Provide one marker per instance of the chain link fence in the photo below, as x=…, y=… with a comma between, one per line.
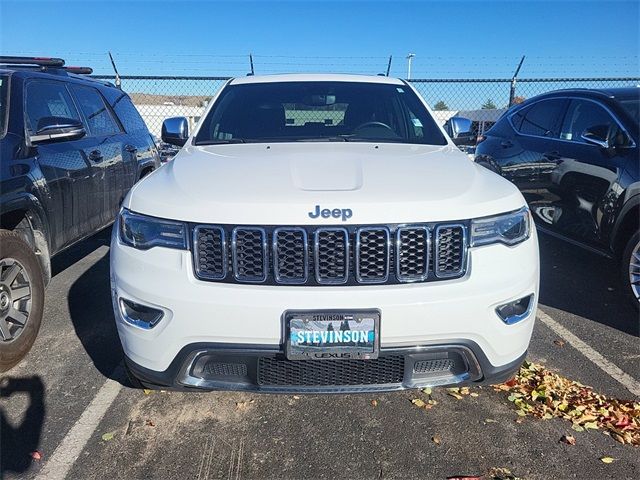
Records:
x=481, y=100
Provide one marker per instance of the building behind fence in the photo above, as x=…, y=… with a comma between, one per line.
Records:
x=481, y=100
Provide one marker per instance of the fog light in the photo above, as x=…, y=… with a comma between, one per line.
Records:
x=516, y=311
x=141, y=316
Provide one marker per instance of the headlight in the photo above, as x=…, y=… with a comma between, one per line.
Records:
x=142, y=232
x=509, y=228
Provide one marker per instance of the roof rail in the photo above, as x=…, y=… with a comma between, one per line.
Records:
x=40, y=61
x=79, y=70
x=42, y=64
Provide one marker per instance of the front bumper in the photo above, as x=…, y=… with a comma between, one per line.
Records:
x=266, y=369
x=219, y=317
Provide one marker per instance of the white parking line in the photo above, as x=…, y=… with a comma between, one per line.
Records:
x=607, y=366
x=66, y=453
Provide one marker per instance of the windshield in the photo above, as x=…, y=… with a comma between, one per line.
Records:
x=4, y=88
x=318, y=111
x=632, y=106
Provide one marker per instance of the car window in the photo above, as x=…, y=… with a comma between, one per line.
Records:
x=583, y=114
x=95, y=111
x=128, y=115
x=48, y=99
x=4, y=96
x=324, y=110
x=540, y=119
x=632, y=107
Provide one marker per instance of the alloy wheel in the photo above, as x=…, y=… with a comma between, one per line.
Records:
x=15, y=299
x=634, y=271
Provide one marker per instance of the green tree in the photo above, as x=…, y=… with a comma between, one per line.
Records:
x=441, y=106
x=488, y=105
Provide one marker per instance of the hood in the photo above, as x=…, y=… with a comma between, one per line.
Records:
x=281, y=183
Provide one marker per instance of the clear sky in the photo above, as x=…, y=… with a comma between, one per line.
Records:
x=450, y=39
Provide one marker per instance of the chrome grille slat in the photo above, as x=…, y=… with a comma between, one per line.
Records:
x=450, y=250
x=413, y=244
x=290, y=255
x=331, y=255
x=373, y=252
x=319, y=256
x=210, y=252
x=249, y=253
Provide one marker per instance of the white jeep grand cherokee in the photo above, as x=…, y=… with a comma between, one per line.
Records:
x=321, y=233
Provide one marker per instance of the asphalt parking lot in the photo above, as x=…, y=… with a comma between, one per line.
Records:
x=70, y=402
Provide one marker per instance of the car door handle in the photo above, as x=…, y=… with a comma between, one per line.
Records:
x=95, y=156
x=506, y=144
x=130, y=148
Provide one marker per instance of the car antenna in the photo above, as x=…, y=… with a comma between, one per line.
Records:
x=512, y=91
x=113, y=64
x=389, y=64
x=251, y=63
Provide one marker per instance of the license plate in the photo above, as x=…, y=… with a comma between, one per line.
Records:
x=332, y=335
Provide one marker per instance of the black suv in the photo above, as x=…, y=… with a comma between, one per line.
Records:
x=574, y=155
x=70, y=150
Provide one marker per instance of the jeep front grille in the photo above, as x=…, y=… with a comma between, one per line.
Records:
x=315, y=256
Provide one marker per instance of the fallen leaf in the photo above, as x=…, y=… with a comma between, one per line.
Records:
x=455, y=395
x=374, y=403
x=607, y=460
x=427, y=391
x=296, y=397
x=418, y=403
x=490, y=420
x=501, y=474
x=436, y=439
x=107, y=436
x=568, y=439
x=149, y=423
x=540, y=393
x=474, y=394
x=147, y=391
x=36, y=455
x=560, y=343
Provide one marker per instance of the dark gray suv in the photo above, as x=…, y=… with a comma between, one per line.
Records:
x=71, y=148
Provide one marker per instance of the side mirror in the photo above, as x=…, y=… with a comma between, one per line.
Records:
x=597, y=135
x=175, y=130
x=56, y=129
x=459, y=129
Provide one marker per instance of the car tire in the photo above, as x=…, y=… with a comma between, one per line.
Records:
x=21, y=298
x=630, y=266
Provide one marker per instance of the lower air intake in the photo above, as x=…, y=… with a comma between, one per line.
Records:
x=434, y=366
x=311, y=373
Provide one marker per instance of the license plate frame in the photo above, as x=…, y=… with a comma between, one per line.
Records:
x=296, y=321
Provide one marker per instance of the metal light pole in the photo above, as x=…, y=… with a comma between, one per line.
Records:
x=409, y=58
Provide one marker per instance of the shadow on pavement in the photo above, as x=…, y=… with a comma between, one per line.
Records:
x=77, y=252
x=584, y=284
x=19, y=441
x=90, y=309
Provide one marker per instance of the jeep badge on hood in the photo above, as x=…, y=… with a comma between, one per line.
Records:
x=345, y=213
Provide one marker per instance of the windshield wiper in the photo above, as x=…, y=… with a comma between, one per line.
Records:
x=336, y=138
x=220, y=142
